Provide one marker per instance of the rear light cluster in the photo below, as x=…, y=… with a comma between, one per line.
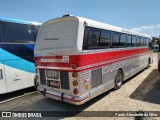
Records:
x=75, y=82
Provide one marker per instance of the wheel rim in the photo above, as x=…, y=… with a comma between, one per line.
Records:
x=119, y=79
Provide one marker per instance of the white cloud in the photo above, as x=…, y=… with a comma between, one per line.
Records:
x=144, y=28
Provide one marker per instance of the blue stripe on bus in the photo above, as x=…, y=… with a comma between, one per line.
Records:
x=20, y=50
x=18, y=21
x=13, y=61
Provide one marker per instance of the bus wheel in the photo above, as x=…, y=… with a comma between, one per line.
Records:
x=148, y=63
x=35, y=81
x=118, y=79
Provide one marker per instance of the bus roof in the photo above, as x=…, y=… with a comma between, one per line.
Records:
x=19, y=21
x=96, y=24
x=101, y=25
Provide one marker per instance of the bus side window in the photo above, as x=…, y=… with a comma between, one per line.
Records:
x=129, y=40
x=15, y=32
x=105, y=39
x=122, y=41
x=150, y=44
x=0, y=32
x=141, y=41
x=34, y=31
x=93, y=39
x=144, y=41
x=115, y=40
x=138, y=41
x=147, y=42
x=85, y=39
x=134, y=41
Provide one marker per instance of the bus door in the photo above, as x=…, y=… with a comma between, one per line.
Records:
x=3, y=88
x=16, y=75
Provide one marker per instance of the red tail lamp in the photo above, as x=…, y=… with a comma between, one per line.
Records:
x=73, y=66
x=75, y=91
x=74, y=83
x=74, y=75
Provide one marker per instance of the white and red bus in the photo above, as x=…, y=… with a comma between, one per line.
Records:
x=77, y=59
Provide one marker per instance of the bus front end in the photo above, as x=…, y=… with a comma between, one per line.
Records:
x=56, y=60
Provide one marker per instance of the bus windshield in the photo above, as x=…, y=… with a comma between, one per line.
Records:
x=18, y=33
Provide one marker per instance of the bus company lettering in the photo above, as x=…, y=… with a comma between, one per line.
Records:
x=65, y=60
x=51, y=60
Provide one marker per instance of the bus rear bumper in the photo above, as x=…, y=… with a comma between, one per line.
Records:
x=76, y=100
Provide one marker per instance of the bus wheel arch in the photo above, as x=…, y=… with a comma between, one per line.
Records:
x=119, y=77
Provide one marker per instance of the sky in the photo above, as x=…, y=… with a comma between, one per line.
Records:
x=139, y=15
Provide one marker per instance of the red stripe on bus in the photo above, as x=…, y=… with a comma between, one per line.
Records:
x=88, y=59
x=93, y=67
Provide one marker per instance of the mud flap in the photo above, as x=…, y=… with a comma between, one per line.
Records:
x=62, y=96
x=44, y=92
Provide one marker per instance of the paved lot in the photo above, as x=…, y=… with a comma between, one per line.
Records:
x=142, y=91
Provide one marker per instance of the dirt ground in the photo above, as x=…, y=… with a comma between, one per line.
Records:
x=141, y=92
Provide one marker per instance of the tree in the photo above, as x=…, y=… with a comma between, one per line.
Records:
x=155, y=40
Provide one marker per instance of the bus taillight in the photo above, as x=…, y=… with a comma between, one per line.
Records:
x=75, y=83
x=74, y=75
x=73, y=66
x=75, y=91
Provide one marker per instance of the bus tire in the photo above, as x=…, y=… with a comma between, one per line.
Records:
x=148, y=64
x=35, y=82
x=118, y=79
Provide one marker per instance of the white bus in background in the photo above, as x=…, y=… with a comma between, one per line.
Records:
x=155, y=48
x=77, y=58
x=17, y=40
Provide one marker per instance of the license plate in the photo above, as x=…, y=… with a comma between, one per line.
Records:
x=52, y=74
x=54, y=83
